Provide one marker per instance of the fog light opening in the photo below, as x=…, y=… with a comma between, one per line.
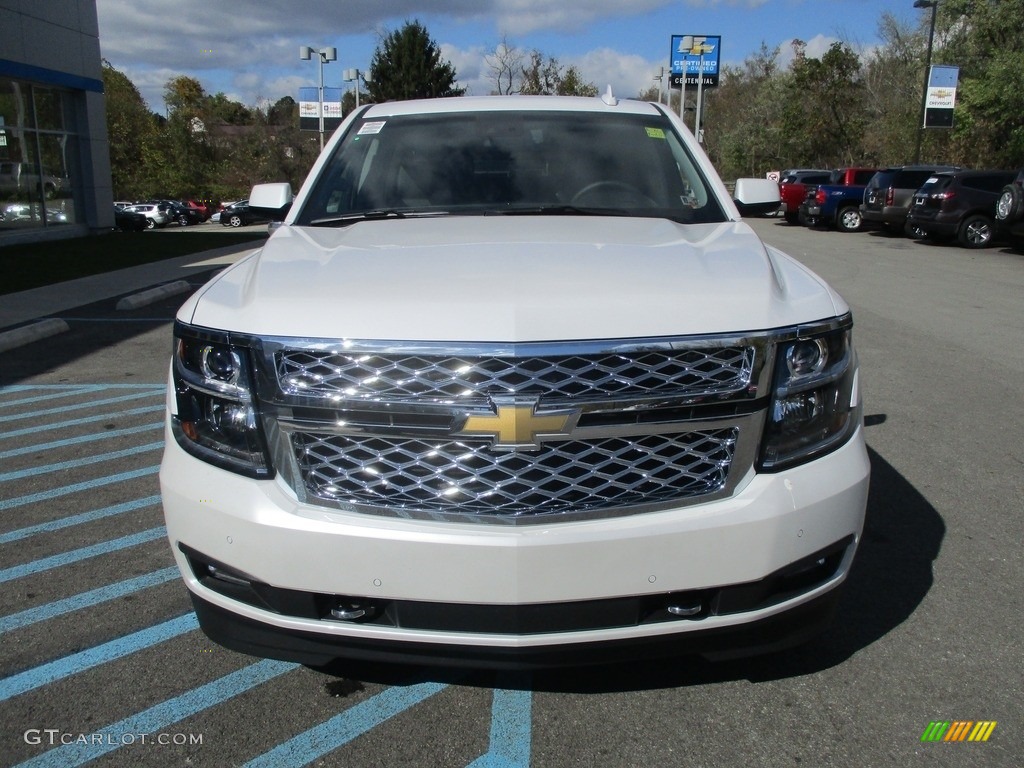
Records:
x=685, y=609
x=223, y=575
x=346, y=610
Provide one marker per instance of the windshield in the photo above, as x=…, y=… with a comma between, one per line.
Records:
x=501, y=162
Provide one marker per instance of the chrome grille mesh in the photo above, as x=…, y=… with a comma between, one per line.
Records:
x=456, y=478
x=452, y=378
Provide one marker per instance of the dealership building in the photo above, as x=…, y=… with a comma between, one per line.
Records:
x=54, y=153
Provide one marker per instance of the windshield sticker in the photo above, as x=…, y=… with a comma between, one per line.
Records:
x=655, y=133
x=367, y=129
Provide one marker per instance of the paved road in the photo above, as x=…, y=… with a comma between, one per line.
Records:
x=99, y=646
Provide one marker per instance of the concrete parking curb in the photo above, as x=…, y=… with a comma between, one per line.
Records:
x=27, y=334
x=152, y=295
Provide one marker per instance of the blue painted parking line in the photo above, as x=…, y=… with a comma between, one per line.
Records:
x=45, y=469
x=84, y=517
x=77, y=555
x=78, y=422
x=50, y=426
x=511, y=728
x=6, y=388
x=341, y=729
x=73, y=392
x=86, y=599
x=86, y=485
x=158, y=718
x=80, y=406
x=80, y=440
x=42, y=675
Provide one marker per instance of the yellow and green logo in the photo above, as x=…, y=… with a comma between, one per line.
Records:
x=958, y=730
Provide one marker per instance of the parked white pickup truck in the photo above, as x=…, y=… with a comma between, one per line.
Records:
x=513, y=385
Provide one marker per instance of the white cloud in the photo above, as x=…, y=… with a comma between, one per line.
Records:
x=628, y=74
x=519, y=17
x=817, y=47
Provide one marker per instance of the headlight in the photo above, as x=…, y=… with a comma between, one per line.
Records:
x=815, y=403
x=216, y=417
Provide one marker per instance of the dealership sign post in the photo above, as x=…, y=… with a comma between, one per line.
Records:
x=695, y=61
x=310, y=109
x=941, y=96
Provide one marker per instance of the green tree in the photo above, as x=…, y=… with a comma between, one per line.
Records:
x=542, y=76
x=132, y=131
x=893, y=77
x=183, y=95
x=573, y=84
x=825, y=107
x=742, y=120
x=283, y=112
x=186, y=158
x=408, y=65
x=984, y=39
x=220, y=109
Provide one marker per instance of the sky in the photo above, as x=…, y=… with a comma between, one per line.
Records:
x=249, y=49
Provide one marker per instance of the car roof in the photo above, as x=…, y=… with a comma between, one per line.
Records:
x=457, y=104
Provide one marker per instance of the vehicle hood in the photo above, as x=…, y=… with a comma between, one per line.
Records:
x=511, y=278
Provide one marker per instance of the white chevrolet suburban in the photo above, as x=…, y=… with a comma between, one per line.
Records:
x=511, y=385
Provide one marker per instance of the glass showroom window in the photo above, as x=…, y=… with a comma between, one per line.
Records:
x=38, y=152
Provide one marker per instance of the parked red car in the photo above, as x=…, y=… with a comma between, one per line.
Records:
x=793, y=189
x=202, y=207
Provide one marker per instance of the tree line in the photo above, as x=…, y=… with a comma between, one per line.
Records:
x=843, y=108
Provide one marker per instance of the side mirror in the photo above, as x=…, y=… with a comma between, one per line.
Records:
x=272, y=201
x=756, y=197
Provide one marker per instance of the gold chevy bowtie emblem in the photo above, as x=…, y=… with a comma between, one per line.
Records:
x=518, y=425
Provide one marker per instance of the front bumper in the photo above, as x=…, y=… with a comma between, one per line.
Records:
x=761, y=568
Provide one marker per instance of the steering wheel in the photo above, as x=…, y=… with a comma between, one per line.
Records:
x=618, y=193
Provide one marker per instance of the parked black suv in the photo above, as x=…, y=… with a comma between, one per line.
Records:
x=1010, y=209
x=888, y=205
x=960, y=204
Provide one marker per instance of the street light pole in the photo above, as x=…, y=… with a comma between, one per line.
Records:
x=700, y=95
x=349, y=75
x=324, y=55
x=691, y=45
x=927, y=70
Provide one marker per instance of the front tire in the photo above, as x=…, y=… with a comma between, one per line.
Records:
x=977, y=231
x=234, y=220
x=150, y=224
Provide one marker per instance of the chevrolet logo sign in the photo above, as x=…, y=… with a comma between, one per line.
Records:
x=516, y=424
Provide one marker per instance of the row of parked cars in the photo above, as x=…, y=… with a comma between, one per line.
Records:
x=923, y=201
x=154, y=214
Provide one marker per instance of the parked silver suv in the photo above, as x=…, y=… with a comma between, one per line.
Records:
x=889, y=205
x=158, y=215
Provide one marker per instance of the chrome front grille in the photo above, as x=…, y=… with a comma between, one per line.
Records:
x=513, y=433
x=461, y=378
x=463, y=477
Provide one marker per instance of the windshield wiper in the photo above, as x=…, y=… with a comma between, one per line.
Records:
x=375, y=215
x=559, y=210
